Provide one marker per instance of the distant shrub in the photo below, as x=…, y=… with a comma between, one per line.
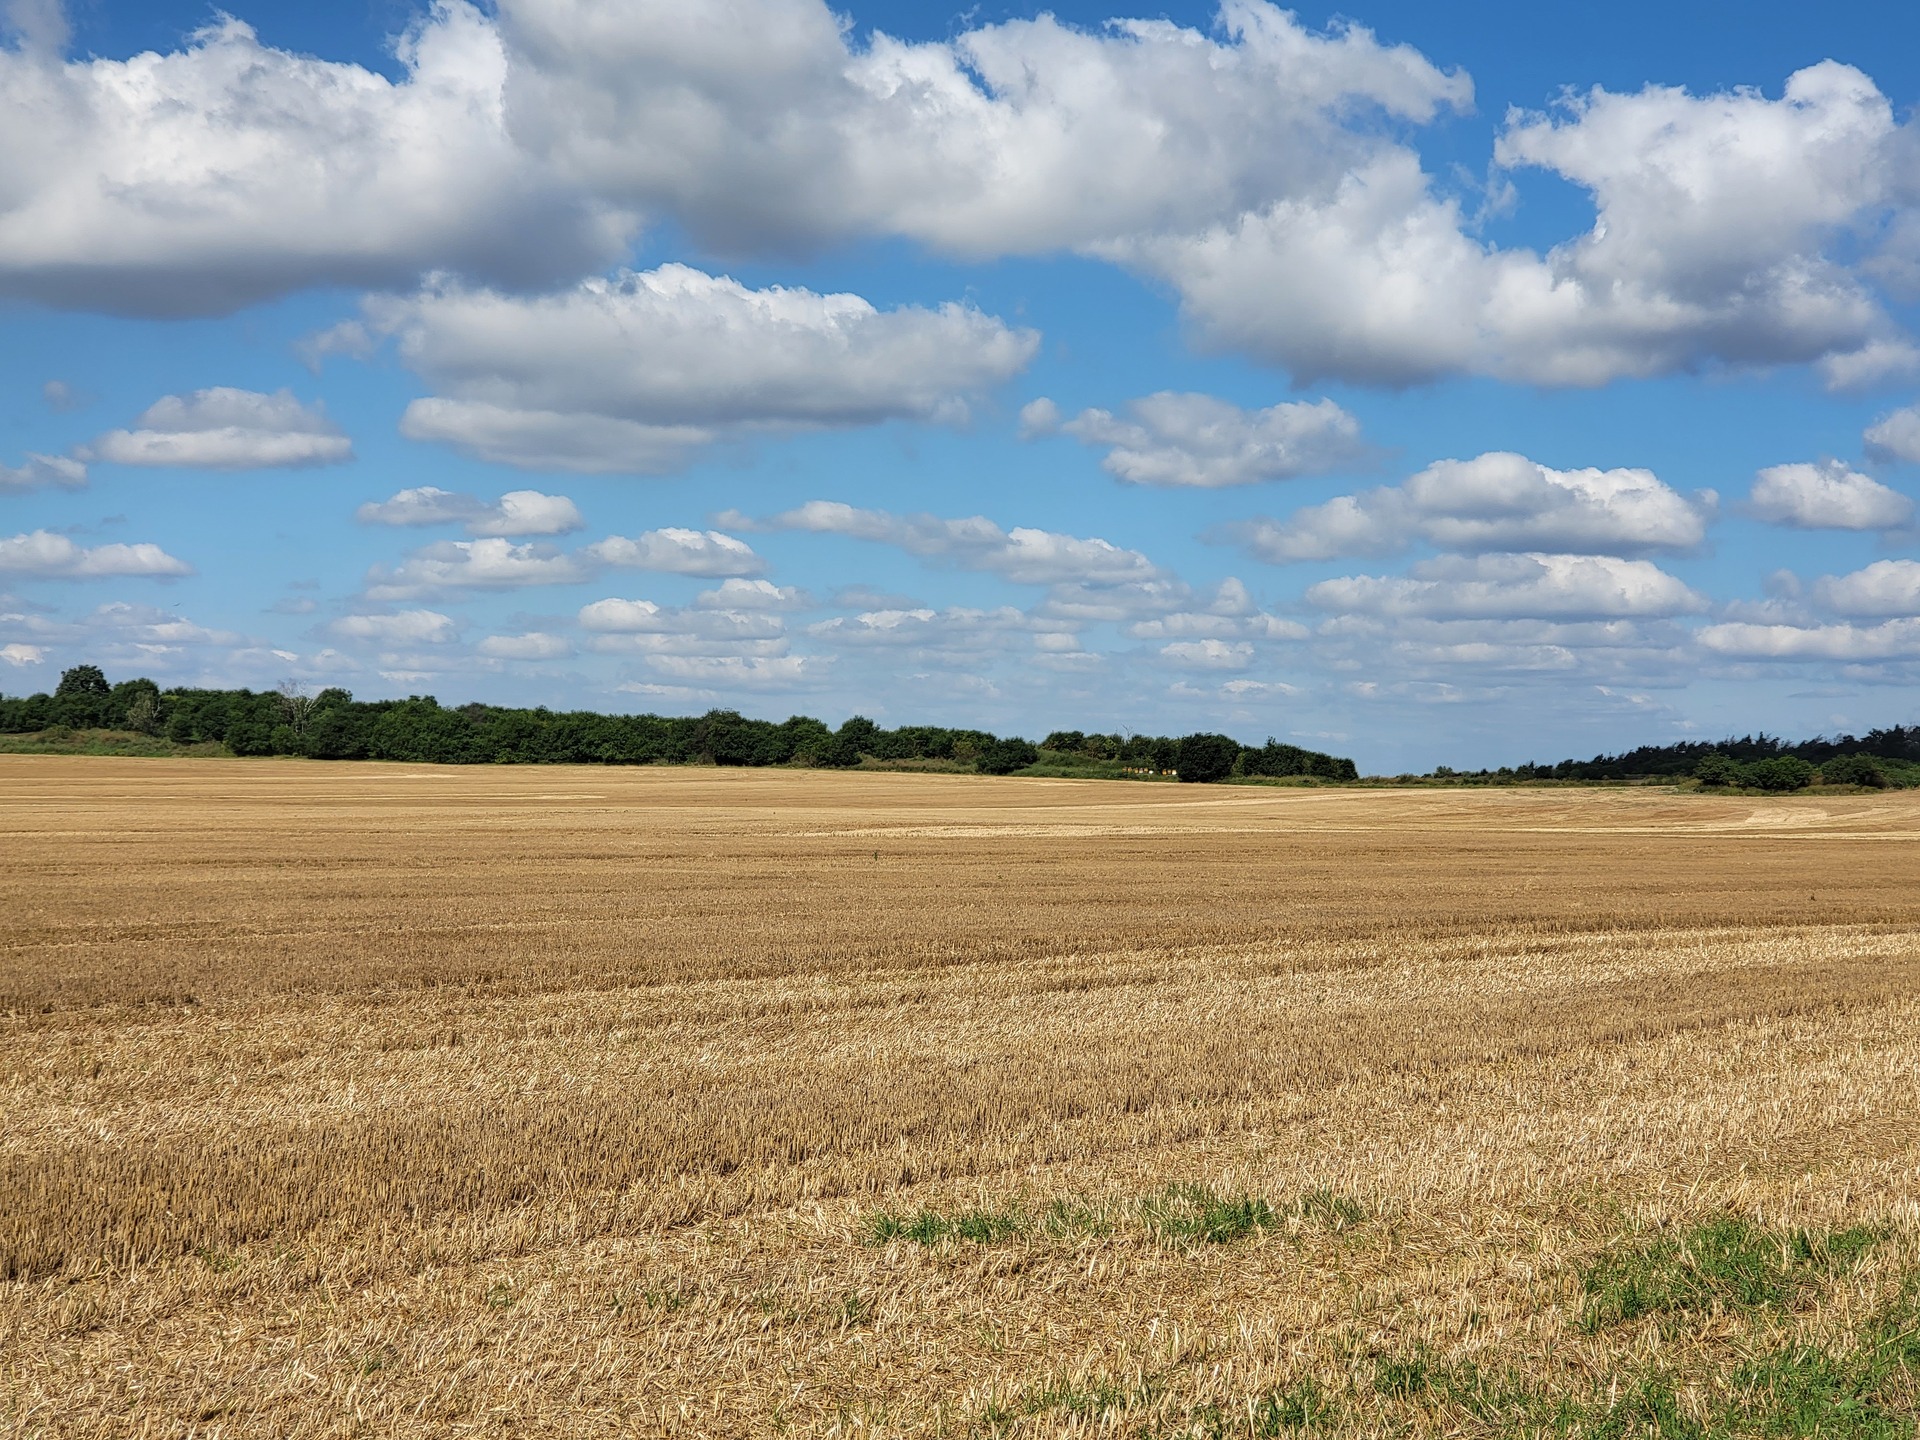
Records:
x=1783, y=772
x=1716, y=768
x=1206, y=758
x=1003, y=757
x=1853, y=770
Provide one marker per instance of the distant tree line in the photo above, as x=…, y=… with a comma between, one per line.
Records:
x=1880, y=758
x=332, y=725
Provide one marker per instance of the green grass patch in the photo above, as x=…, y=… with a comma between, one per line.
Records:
x=981, y=1226
x=1727, y=1263
x=1185, y=1214
x=1201, y=1215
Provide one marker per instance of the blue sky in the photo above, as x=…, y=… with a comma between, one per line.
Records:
x=1457, y=384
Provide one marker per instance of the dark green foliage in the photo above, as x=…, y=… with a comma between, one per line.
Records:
x=332, y=725
x=1896, y=747
x=1716, y=768
x=1854, y=770
x=1783, y=772
x=87, y=681
x=1003, y=757
x=1280, y=761
x=1204, y=758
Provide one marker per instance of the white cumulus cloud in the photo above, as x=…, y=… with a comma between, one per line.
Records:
x=491, y=564
x=636, y=373
x=753, y=595
x=534, y=645
x=1496, y=501
x=42, y=554
x=764, y=125
x=1886, y=587
x=227, y=429
x=1827, y=496
x=1895, y=438
x=676, y=551
x=203, y=179
x=518, y=512
x=1715, y=216
x=18, y=655
x=406, y=627
x=1024, y=555
x=1534, y=586
x=1200, y=440
x=38, y=470
x=1889, y=640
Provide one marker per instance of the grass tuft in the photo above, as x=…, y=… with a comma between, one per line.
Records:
x=1200, y=1215
x=1728, y=1263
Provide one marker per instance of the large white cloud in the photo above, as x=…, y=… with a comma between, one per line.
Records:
x=1886, y=587
x=1024, y=555
x=491, y=564
x=1889, y=640
x=405, y=627
x=1715, y=217
x=1496, y=501
x=1536, y=586
x=206, y=178
x=227, y=429
x=518, y=512
x=635, y=373
x=41, y=554
x=764, y=124
x=1200, y=440
x=1827, y=496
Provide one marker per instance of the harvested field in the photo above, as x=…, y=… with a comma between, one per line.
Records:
x=387, y=1100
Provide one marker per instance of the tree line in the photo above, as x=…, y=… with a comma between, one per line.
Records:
x=1878, y=759
x=332, y=725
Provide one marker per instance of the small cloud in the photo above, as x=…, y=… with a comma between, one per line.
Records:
x=518, y=512
x=45, y=555
x=408, y=627
x=1895, y=438
x=226, y=429
x=62, y=399
x=753, y=595
x=1039, y=418
x=1204, y=442
x=675, y=551
x=19, y=655
x=492, y=564
x=534, y=645
x=39, y=470
x=1209, y=654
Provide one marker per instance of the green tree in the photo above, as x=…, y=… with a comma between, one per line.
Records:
x=1003, y=757
x=1783, y=772
x=83, y=680
x=1205, y=758
x=1853, y=770
x=1716, y=768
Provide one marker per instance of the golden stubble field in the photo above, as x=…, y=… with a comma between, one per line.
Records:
x=390, y=1100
